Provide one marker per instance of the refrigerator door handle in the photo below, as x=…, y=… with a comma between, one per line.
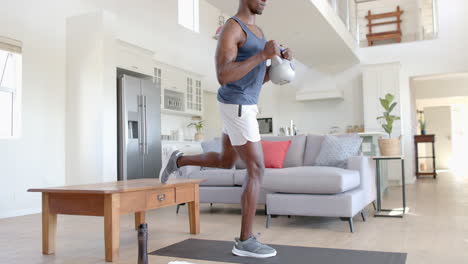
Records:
x=145, y=137
x=140, y=126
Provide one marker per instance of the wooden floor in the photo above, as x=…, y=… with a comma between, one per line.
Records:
x=434, y=231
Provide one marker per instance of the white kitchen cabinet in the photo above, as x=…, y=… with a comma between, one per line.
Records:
x=194, y=95
x=173, y=79
x=181, y=90
x=377, y=81
x=198, y=96
x=134, y=58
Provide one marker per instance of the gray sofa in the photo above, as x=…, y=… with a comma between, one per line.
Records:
x=299, y=188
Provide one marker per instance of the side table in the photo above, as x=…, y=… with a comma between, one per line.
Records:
x=380, y=212
x=425, y=139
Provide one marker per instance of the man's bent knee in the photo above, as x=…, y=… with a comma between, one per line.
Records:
x=256, y=169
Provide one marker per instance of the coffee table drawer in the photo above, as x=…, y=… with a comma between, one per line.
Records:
x=160, y=198
x=184, y=194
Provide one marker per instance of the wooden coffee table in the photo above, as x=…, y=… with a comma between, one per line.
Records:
x=112, y=199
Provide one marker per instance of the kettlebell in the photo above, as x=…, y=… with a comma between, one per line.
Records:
x=281, y=71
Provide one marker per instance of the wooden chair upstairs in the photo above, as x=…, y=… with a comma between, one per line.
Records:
x=396, y=34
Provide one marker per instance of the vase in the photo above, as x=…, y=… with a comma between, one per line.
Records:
x=423, y=131
x=390, y=146
x=199, y=136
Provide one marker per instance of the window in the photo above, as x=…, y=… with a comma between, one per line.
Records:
x=10, y=87
x=189, y=16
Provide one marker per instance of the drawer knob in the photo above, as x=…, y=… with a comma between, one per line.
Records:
x=161, y=197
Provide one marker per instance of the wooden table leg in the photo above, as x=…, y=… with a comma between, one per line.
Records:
x=194, y=212
x=139, y=219
x=112, y=226
x=49, y=226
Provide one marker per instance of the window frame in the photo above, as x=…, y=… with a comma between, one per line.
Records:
x=195, y=10
x=14, y=48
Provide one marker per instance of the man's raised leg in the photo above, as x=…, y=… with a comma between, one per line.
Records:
x=224, y=159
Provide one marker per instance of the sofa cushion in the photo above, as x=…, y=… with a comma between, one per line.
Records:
x=313, y=180
x=335, y=150
x=312, y=149
x=274, y=153
x=295, y=155
x=239, y=176
x=215, y=177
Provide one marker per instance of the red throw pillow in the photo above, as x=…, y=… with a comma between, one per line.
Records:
x=274, y=153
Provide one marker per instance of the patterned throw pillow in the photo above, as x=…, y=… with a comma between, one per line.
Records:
x=335, y=150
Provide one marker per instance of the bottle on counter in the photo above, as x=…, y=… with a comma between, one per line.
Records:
x=180, y=134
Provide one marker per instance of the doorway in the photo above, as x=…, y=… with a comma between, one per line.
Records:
x=441, y=102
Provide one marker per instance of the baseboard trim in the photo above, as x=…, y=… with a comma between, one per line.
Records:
x=22, y=212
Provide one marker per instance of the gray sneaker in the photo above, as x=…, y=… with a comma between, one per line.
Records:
x=171, y=166
x=252, y=248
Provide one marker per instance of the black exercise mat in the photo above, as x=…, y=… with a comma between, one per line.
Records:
x=214, y=250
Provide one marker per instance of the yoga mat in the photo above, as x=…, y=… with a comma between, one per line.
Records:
x=214, y=250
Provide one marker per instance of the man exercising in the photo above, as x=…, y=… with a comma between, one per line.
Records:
x=241, y=70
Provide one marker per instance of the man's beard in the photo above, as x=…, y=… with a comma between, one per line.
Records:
x=258, y=11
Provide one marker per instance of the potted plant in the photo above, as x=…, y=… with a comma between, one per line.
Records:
x=422, y=122
x=199, y=127
x=389, y=146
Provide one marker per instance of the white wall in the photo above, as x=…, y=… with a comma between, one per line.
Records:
x=153, y=25
x=439, y=123
x=91, y=130
x=441, y=87
x=213, y=125
x=459, y=137
x=170, y=123
x=37, y=159
x=320, y=116
x=442, y=55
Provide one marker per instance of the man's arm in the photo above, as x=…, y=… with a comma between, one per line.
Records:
x=227, y=69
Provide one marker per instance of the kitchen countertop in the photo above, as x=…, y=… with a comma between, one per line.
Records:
x=178, y=141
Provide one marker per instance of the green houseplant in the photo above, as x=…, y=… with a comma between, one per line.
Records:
x=199, y=128
x=389, y=146
x=422, y=122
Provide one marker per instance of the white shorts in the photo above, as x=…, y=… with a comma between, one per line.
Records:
x=243, y=128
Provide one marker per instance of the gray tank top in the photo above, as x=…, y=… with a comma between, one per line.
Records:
x=246, y=90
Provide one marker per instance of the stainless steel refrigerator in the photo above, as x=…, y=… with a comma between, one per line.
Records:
x=139, y=126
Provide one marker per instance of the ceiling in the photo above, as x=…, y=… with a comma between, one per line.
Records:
x=301, y=26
